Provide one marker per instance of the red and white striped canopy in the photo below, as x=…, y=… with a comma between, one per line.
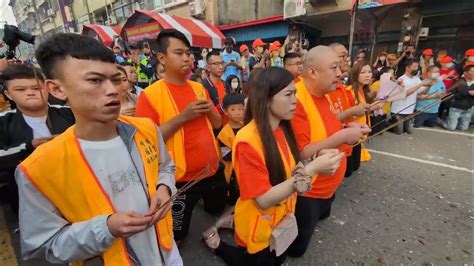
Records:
x=199, y=33
x=104, y=33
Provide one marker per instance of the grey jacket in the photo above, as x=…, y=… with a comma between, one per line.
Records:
x=46, y=234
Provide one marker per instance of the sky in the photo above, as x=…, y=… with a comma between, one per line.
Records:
x=6, y=13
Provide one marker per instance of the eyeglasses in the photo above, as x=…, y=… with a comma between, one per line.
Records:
x=217, y=63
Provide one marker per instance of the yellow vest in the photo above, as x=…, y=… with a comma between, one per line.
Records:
x=163, y=103
x=253, y=226
x=315, y=120
x=74, y=189
x=227, y=136
x=361, y=119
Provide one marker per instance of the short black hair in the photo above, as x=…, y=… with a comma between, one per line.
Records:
x=19, y=71
x=290, y=56
x=229, y=40
x=62, y=45
x=212, y=53
x=232, y=98
x=412, y=61
x=163, y=37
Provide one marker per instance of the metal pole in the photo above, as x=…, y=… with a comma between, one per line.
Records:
x=351, y=32
x=107, y=11
x=88, y=11
x=374, y=41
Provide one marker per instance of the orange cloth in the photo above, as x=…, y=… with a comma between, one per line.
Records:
x=340, y=99
x=325, y=186
x=253, y=226
x=198, y=138
x=73, y=188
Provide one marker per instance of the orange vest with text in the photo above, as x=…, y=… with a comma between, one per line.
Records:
x=165, y=106
x=60, y=171
x=253, y=226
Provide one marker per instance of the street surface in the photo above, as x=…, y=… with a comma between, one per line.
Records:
x=411, y=204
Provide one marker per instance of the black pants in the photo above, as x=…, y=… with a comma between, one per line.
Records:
x=378, y=123
x=309, y=212
x=213, y=191
x=406, y=126
x=9, y=192
x=353, y=161
x=237, y=256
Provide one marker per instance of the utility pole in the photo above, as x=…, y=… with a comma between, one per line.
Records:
x=351, y=33
x=91, y=20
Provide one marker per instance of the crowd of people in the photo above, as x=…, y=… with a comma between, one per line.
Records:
x=112, y=174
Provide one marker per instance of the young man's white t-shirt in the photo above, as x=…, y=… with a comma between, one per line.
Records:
x=38, y=124
x=121, y=182
x=400, y=105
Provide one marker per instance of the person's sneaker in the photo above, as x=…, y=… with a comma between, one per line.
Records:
x=211, y=237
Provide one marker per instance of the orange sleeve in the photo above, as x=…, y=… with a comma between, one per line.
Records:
x=145, y=109
x=253, y=175
x=301, y=127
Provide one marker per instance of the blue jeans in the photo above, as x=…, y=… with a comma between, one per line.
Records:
x=458, y=119
x=426, y=119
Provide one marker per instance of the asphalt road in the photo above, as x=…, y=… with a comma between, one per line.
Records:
x=411, y=204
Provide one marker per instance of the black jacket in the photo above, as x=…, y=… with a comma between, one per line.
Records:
x=16, y=135
x=461, y=98
x=213, y=91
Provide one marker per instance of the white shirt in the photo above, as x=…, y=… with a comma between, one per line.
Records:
x=38, y=124
x=120, y=180
x=398, y=106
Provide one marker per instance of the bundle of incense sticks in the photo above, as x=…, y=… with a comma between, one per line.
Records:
x=198, y=177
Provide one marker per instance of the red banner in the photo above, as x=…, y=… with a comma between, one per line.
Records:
x=141, y=32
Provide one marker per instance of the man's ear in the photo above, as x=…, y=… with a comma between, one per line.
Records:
x=161, y=58
x=54, y=88
x=8, y=96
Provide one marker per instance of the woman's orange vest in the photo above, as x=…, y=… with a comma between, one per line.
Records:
x=60, y=171
x=227, y=136
x=163, y=103
x=253, y=226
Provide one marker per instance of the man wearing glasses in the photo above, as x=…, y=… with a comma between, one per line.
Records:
x=294, y=63
x=214, y=85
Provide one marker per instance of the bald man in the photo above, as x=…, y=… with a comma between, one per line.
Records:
x=317, y=127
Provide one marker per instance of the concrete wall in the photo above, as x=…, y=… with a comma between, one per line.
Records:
x=232, y=11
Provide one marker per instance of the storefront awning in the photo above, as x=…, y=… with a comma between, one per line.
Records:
x=144, y=24
x=103, y=33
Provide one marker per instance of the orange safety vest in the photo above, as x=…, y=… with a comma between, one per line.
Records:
x=74, y=189
x=365, y=155
x=164, y=104
x=227, y=136
x=253, y=226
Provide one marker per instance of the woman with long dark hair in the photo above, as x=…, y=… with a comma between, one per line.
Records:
x=360, y=79
x=264, y=159
x=233, y=82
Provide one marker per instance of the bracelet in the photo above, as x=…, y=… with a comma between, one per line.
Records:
x=302, y=182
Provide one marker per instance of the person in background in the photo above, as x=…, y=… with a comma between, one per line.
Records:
x=360, y=56
x=294, y=64
x=448, y=71
x=128, y=100
x=231, y=58
x=132, y=77
x=264, y=159
x=233, y=82
x=275, y=58
x=234, y=109
x=199, y=75
x=376, y=118
x=404, y=59
x=96, y=187
x=32, y=123
x=185, y=113
x=426, y=60
x=412, y=86
x=317, y=127
x=467, y=59
x=202, y=61
x=429, y=117
x=215, y=86
x=119, y=58
x=381, y=61
x=392, y=60
x=344, y=64
x=459, y=115
x=142, y=66
x=158, y=69
x=244, y=61
x=260, y=55
x=147, y=53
